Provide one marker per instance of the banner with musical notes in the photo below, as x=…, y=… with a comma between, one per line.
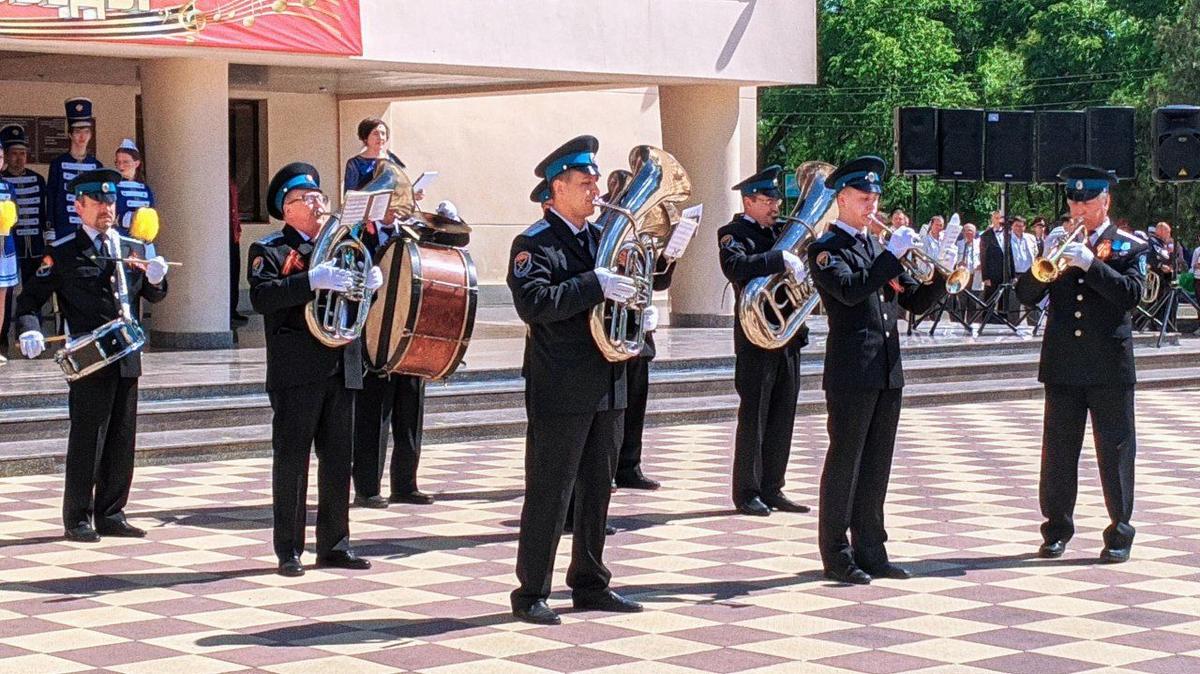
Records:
x=298, y=26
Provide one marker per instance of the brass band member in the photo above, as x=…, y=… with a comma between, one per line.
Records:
x=1087, y=364
x=308, y=383
x=863, y=287
x=574, y=397
x=79, y=269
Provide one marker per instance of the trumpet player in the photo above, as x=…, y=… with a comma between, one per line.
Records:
x=308, y=383
x=767, y=380
x=1093, y=280
x=863, y=286
x=574, y=397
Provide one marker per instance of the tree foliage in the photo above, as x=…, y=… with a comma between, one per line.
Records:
x=877, y=55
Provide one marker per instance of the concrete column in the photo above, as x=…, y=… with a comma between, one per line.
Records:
x=710, y=129
x=185, y=117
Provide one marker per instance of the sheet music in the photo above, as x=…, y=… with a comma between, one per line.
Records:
x=689, y=222
x=948, y=243
x=425, y=180
x=356, y=204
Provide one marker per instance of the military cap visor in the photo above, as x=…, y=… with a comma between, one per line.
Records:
x=100, y=184
x=579, y=153
x=1084, y=183
x=765, y=182
x=541, y=193
x=865, y=174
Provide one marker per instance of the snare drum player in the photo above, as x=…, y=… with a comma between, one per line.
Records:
x=80, y=268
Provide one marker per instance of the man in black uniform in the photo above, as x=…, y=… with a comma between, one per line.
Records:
x=863, y=287
x=1087, y=365
x=767, y=380
x=79, y=268
x=307, y=382
x=388, y=401
x=574, y=397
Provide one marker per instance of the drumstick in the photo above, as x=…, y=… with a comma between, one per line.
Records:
x=136, y=260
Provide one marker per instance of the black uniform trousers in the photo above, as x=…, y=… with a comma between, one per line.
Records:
x=767, y=382
x=235, y=273
x=565, y=453
x=854, y=482
x=395, y=404
x=1112, y=412
x=637, y=379
x=99, y=469
x=323, y=413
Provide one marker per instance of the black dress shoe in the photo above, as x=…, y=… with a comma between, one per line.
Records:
x=415, y=497
x=291, y=568
x=238, y=319
x=609, y=530
x=889, y=570
x=120, y=529
x=851, y=575
x=754, y=506
x=783, y=503
x=343, y=559
x=84, y=533
x=1052, y=549
x=375, y=501
x=1114, y=555
x=605, y=600
x=636, y=480
x=537, y=613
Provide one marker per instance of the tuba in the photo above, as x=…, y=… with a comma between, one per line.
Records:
x=772, y=308
x=628, y=247
x=337, y=318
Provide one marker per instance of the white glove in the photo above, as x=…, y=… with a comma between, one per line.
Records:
x=616, y=287
x=650, y=318
x=328, y=276
x=902, y=241
x=32, y=344
x=795, y=265
x=1078, y=255
x=156, y=270
x=374, y=279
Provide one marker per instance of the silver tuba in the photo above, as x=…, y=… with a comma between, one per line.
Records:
x=632, y=235
x=772, y=308
x=337, y=318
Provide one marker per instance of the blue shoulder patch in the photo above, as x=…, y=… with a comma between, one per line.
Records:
x=825, y=238
x=536, y=228
x=271, y=239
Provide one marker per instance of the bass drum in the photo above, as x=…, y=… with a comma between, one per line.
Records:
x=422, y=318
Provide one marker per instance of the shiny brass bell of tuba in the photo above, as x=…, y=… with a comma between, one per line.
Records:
x=337, y=318
x=632, y=236
x=772, y=308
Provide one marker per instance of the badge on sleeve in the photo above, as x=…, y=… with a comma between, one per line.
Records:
x=824, y=260
x=726, y=240
x=522, y=263
x=47, y=264
x=1104, y=250
x=256, y=265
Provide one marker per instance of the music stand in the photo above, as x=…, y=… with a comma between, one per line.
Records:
x=1162, y=311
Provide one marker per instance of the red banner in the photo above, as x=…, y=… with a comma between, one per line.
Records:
x=298, y=26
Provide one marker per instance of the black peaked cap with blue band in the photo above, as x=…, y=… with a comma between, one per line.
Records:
x=865, y=174
x=765, y=182
x=297, y=175
x=13, y=135
x=579, y=153
x=541, y=193
x=1085, y=182
x=96, y=182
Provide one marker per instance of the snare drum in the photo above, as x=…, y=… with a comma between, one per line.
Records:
x=103, y=346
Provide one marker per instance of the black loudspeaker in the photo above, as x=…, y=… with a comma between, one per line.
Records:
x=1175, y=143
x=960, y=144
x=1008, y=146
x=916, y=141
x=1110, y=140
x=1061, y=141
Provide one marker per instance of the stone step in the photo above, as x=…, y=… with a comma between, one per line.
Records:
x=457, y=396
x=19, y=457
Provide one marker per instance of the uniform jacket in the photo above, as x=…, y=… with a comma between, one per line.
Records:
x=278, y=275
x=746, y=253
x=855, y=280
x=63, y=170
x=554, y=287
x=1089, y=333
x=85, y=285
x=131, y=195
x=29, y=191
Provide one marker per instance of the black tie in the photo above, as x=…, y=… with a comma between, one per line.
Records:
x=583, y=241
x=102, y=239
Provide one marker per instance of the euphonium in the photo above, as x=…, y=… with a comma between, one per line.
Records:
x=627, y=247
x=772, y=308
x=337, y=318
x=1047, y=268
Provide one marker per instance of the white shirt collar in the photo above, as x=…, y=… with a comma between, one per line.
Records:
x=93, y=233
x=848, y=229
x=1095, y=235
x=574, y=229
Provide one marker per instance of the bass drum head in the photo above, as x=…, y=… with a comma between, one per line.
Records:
x=391, y=312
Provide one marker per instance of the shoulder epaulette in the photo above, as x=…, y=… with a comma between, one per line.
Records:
x=271, y=239
x=59, y=242
x=536, y=228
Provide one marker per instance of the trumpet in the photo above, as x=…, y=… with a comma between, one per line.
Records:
x=1047, y=268
x=923, y=266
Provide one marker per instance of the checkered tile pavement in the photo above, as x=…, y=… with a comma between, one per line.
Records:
x=724, y=592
